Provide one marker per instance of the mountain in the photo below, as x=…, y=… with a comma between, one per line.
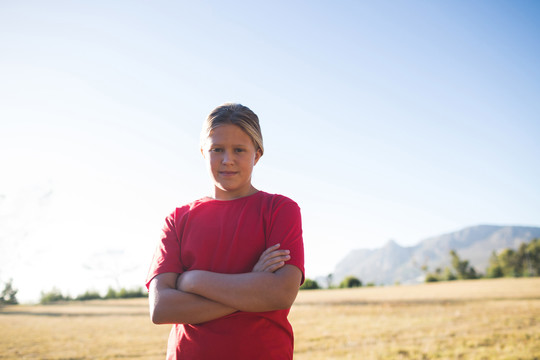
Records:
x=394, y=263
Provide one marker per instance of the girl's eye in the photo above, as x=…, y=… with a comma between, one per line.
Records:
x=216, y=150
x=239, y=150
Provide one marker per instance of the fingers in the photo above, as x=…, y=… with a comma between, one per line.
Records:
x=272, y=259
x=269, y=250
x=273, y=255
x=276, y=260
x=275, y=267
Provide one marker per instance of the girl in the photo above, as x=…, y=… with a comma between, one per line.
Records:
x=228, y=268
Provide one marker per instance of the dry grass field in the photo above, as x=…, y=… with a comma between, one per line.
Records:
x=481, y=319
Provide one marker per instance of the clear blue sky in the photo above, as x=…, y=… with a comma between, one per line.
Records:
x=383, y=120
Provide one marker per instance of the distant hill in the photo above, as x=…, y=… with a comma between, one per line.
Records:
x=394, y=263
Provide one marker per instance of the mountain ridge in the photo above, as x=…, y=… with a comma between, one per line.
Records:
x=393, y=263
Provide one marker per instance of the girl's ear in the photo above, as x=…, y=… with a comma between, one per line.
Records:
x=202, y=153
x=258, y=155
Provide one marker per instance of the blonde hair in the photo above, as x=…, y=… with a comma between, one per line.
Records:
x=234, y=114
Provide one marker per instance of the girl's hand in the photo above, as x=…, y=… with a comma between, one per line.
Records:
x=271, y=259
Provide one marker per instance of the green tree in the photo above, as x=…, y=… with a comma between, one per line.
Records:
x=350, y=282
x=509, y=263
x=528, y=258
x=111, y=294
x=134, y=293
x=533, y=257
x=52, y=296
x=329, y=279
x=448, y=275
x=124, y=293
x=89, y=295
x=494, y=269
x=525, y=261
x=9, y=294
x=437, y=275
x=462, y=268
x=309, y=285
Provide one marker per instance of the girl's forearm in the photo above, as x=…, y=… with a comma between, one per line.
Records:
x=171, y=306
x=253, y=292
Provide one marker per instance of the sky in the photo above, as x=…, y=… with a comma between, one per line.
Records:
x=382, y=120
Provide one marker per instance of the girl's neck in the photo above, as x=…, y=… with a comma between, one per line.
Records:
x=222, y=195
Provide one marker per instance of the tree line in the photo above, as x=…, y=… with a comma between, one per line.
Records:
x=349, y=282
x=8, y=296
x=56, y=295
x=523, y=262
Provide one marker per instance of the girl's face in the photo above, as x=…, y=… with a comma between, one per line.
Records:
x=230, y=156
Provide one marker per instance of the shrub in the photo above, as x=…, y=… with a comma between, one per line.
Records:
x=309, y=285
x=52, y=296
x=462, y=268
x=449, y=275
x=124, y=293
x=134, y=293
x=89, y=295
x=350, y=282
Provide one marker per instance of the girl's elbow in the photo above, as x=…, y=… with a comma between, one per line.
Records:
x=156, y=320
x=155, y=317
x=158, y=316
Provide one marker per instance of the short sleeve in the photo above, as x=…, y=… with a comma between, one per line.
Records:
x=167, y=254
x=286, y=229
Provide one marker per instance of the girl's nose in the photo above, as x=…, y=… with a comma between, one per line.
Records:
x=227, y=158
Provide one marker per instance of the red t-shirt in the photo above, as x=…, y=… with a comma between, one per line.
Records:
x=229, y=237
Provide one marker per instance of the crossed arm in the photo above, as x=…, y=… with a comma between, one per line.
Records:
x=198, y=296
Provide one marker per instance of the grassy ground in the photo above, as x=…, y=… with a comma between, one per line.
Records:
x=481, y=319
